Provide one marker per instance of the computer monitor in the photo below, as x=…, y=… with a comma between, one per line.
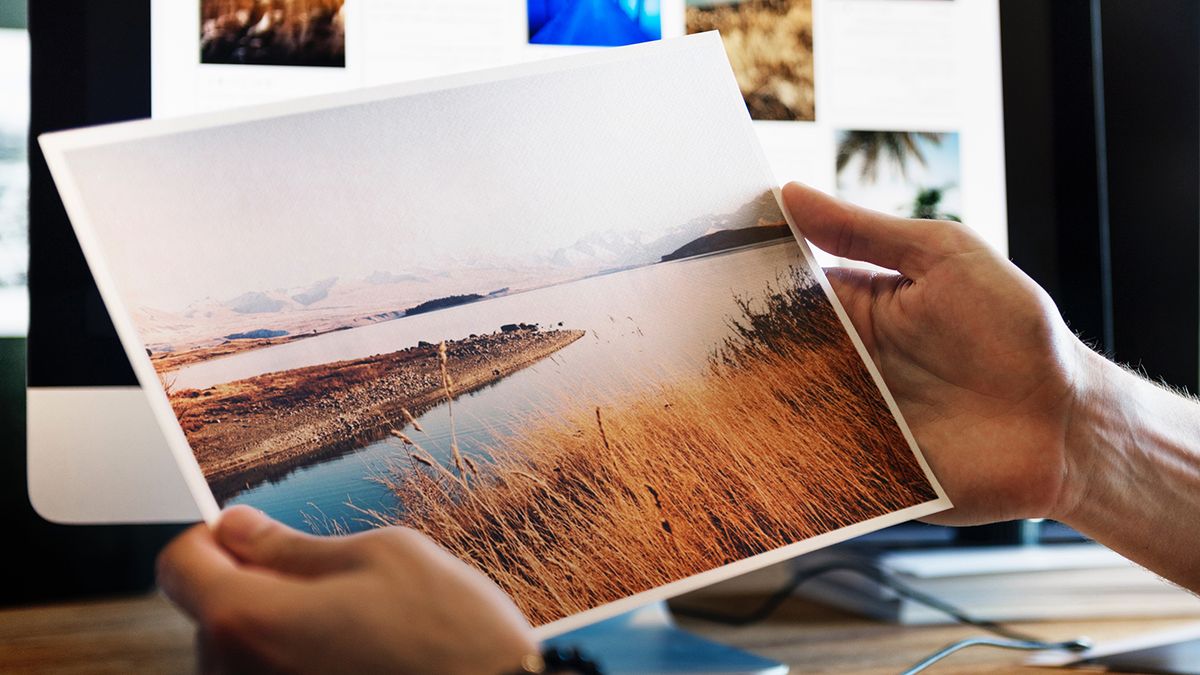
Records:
x=1016, y=96
x=896, y=105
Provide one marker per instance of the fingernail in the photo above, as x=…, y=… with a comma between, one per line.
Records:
x=242, y=525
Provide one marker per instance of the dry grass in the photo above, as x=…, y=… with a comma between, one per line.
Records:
x=786, y=437
x=770, y=45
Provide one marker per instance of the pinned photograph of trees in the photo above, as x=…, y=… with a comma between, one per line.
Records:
x=273, y=32
x=770, y=46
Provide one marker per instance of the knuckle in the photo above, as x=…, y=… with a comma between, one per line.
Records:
x=238, y=622
x=224, y=622
x=391, y=540
x=408, y=536
x=164, y=563
x=950, y=237
x=844, y=240
x=169, y=560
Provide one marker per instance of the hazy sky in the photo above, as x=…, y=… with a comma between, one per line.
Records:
x=484, y=173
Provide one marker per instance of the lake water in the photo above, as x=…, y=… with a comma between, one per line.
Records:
x=650, y=323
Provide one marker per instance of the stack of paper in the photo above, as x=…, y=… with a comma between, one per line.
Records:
x=1069, y=581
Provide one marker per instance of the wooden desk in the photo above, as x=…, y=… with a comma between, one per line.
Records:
x=815, y=639
x=147, y=635
x=812, y=638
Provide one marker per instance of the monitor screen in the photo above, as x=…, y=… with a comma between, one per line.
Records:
x=893, y=104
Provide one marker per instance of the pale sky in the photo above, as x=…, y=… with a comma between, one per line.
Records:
x=485, y=173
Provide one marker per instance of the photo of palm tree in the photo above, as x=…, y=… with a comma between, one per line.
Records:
x=914, y=174
x=770, y=46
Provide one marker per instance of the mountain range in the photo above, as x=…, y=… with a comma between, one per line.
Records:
x=333, y=303
x=618, y=250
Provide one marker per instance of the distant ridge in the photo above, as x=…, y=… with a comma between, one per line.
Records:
x=443, y=303
x=723, y=240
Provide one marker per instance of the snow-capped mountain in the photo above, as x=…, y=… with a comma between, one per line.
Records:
x=615, y=249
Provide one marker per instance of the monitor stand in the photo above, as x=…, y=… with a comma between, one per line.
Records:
x=96, y=455
x=647, y=641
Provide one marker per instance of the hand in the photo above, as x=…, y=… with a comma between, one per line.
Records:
x=268, y=598
x=982, y=366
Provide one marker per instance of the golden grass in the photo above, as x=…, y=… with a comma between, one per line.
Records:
x=783, y=438
x=770, y=46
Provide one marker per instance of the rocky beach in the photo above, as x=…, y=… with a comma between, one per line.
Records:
x=260, y=428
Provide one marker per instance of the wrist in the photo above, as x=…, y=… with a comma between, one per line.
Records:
x=1099, y=421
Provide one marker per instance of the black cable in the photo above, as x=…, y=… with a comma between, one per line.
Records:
x=1013, y=639
x=1076, y=645
x=768, y=606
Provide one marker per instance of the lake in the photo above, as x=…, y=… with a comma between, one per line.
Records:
x=649, y=324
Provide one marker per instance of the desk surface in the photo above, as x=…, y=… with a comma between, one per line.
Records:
x=146, y=634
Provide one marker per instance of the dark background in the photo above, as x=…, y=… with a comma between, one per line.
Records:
x=1104, y=212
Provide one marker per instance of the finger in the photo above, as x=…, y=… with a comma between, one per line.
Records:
x=856, y=233
x=258, y=540
x=853, y=289
x=199, y=575
x=858, y=291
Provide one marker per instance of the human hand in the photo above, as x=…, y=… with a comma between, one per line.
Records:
x=983, y=368
x=270, y=599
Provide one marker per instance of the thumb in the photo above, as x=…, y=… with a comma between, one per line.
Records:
x=856, y=233
x=258, y=540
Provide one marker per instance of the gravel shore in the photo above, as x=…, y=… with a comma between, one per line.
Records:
x=260, y=428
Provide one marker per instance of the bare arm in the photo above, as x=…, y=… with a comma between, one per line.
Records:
x=1017, y=417
x=1135, y=447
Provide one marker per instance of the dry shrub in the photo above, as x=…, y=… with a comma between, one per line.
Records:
x=770, y=45
x=784, y=438
x=273, y=32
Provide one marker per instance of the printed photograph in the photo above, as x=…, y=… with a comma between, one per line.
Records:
x=273, y=32
x=770, y=46
x=587, y=373
x=593, y=23
x=913, y=174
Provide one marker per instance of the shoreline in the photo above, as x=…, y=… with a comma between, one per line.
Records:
x=167, y=362
x=261, y=428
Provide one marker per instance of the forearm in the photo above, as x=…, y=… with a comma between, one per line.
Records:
x=1133, y=471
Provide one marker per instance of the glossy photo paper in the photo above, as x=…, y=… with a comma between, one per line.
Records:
x=552, y=316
